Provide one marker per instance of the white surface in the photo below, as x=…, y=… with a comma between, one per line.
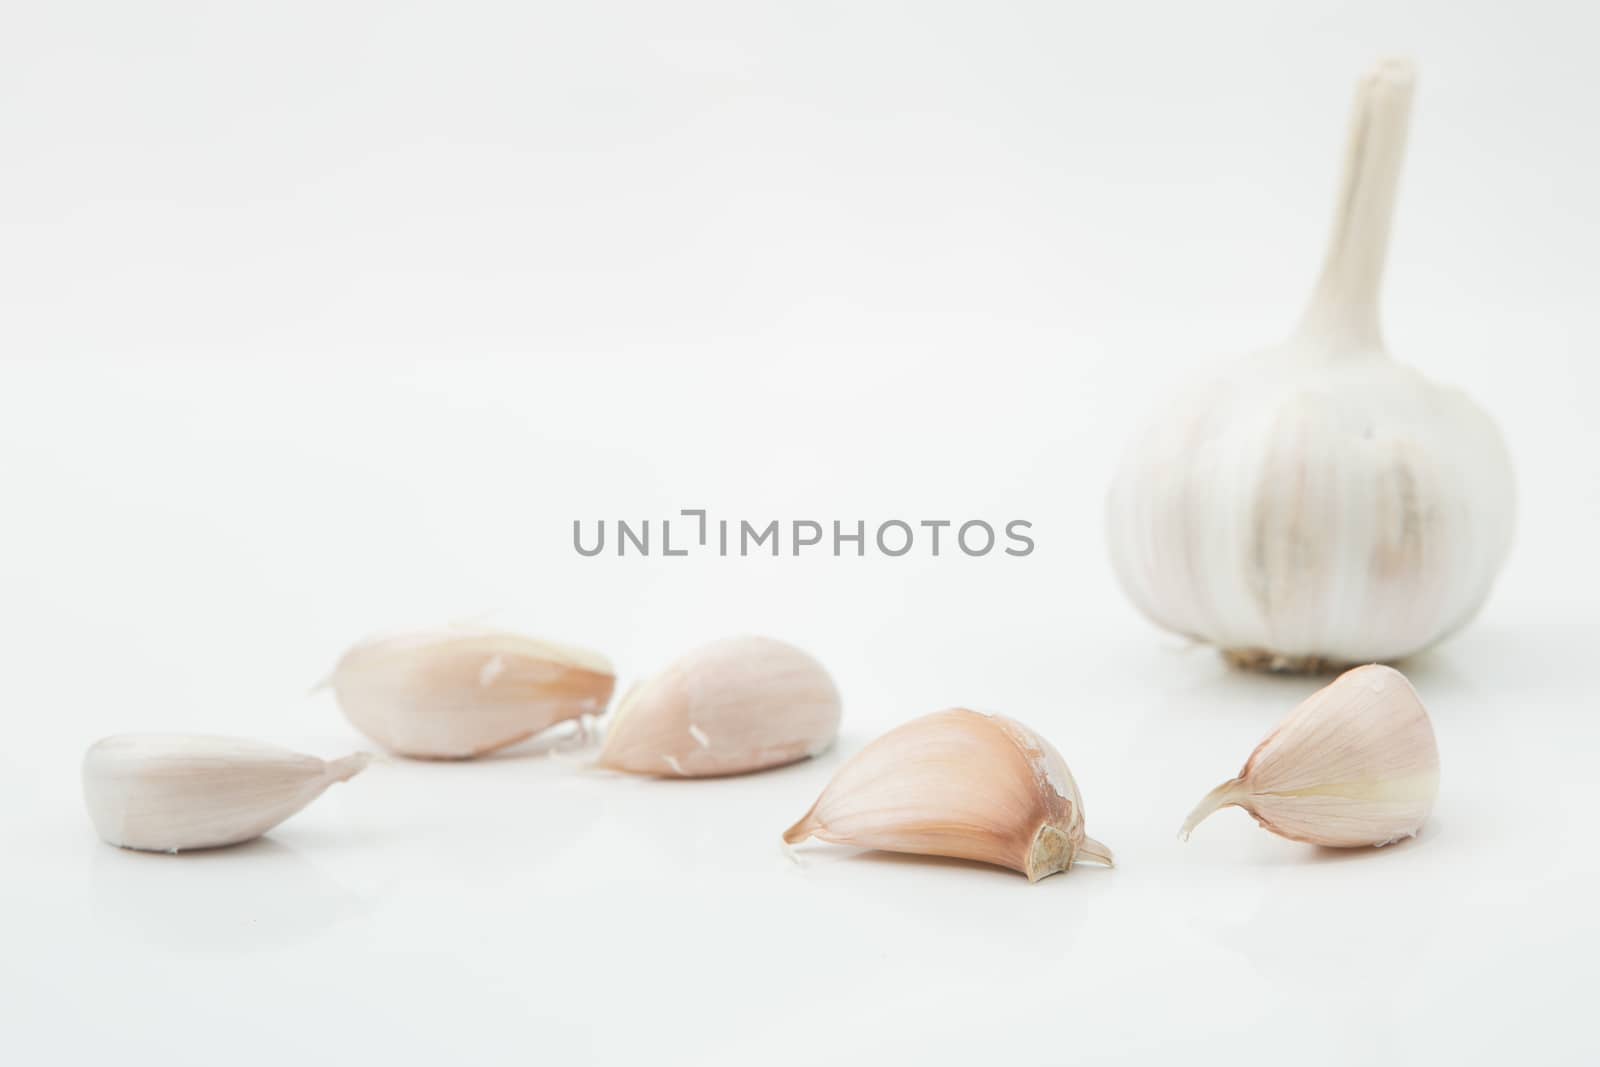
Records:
x=318, y=319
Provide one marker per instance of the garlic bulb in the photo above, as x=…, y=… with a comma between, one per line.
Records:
x=463, y=691
x=171, y=792
x=1355, y=764
x=736, y=705
x=1317, y=504
x=962, y=784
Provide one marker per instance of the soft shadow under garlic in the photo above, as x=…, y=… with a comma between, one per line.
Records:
x=260, y=895
x=910, y=861
x=961, y=785
x=1393, y=919
x=574, y=741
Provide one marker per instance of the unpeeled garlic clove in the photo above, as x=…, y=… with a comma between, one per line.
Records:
x=963, y=784
x=1355, y=764
x=464, y=691
x=736, y=705
x=172, y=792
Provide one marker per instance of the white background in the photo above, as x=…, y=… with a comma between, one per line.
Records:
x=320, y=318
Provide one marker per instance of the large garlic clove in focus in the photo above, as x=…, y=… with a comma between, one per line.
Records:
x=1319, y=505
x=737, y=705
x=1355, y=764
x=171, y=792
x=464, y=691
x=961, y=784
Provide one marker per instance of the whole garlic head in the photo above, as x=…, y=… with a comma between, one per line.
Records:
x=1317, y=504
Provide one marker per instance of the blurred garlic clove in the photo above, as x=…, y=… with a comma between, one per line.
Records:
x=460, y=692
x=172, y=792
x=736, y=705
x=1355, y=764
x=963, y=784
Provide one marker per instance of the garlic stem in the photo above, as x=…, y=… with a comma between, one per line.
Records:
x=1230, y=792
x=1344, y=305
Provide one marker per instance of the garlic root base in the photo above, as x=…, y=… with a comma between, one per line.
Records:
x=1053, y=853
x=1259, y=659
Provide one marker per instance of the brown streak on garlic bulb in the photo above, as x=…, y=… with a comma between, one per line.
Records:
x=1355, y=764
x=461, y=692
x=736, y=705
x=961, y=784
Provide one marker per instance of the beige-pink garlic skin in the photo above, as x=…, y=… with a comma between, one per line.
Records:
x=961, y=784
x=1355, y=764
x=177, y=792
x=459, y=692
x=730, y=707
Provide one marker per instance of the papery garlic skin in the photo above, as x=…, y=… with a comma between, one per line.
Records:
x=1355, y=764
x=1318, y=505
x=460, y=692
x=962, y=784
x=174, y=792
x=730, y=707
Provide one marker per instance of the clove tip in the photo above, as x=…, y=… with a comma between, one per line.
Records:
x=798, y=832
x=1398, y=71
x=1224, y=795
x=346, y=768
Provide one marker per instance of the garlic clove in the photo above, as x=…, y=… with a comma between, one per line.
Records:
x=1355, y=764
x=962, y=784
x=173, y=792
x=736, y=705
x=460, y=692
x=1319, y=504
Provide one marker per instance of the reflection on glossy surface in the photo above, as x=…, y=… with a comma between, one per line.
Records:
x=257, y=895
x=1295, y=928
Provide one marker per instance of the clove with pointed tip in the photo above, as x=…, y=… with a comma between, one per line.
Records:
x=961, y=784
x=176, y=792
x=1355, y=764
